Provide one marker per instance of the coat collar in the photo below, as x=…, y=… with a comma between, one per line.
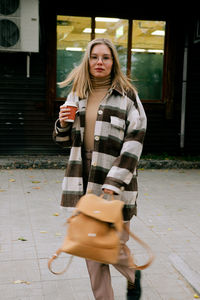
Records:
x=130, y=93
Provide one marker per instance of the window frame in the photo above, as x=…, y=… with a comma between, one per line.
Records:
x=167, y=86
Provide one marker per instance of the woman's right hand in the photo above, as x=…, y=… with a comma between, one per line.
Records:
x=63, y=115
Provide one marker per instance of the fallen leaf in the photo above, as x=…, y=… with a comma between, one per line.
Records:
x=22, y=239
x=169, y=229
x=36, y=187
x=196, y=296
x=12, y=180
x=56, y=214
x=2, y=190
x=43, y=231
x=58, y=181
x=35, y=181
x=21, y=281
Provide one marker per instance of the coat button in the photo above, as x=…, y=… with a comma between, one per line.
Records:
x=96, y=138
x=100, y=112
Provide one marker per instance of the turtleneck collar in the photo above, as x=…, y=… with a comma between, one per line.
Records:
x=101, y=82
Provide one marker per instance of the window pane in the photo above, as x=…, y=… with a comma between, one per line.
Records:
x=117, y=31
x=147, y=58
x=71, y=44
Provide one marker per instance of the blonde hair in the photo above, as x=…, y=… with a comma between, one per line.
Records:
x=80, y=76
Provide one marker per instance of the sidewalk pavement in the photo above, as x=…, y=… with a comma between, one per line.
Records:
x=32, y=228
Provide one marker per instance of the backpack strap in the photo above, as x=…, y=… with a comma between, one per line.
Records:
x=145, y=246
x=53, y=258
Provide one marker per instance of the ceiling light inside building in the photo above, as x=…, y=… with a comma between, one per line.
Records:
x=138, y=50
x=111, y=20
x=74, y=49
x=97, y=30
x=155, y=51
x=158, y=32
x=119, y=31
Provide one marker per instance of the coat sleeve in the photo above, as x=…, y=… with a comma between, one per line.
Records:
x=62, y=136
x=125, y=165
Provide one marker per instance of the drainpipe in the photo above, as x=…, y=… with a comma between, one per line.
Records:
x=184, y=89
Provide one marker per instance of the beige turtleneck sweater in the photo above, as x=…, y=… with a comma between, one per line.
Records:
x=100, y=88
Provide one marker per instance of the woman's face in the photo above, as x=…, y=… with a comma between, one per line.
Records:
x=101, y=61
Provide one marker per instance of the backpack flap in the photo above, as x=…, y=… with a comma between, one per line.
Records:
x=101, y=209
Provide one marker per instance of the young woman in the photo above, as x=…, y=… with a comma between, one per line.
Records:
x=106, y=140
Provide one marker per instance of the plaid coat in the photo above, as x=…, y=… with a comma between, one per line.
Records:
x=118, y=140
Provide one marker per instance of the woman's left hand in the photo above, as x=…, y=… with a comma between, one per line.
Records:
x=107, y=191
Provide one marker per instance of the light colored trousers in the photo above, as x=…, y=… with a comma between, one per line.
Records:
x=99, y=273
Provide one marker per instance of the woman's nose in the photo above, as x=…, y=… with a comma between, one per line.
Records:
x=100, y=60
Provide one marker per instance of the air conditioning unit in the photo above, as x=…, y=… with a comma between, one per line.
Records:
x=19, y=25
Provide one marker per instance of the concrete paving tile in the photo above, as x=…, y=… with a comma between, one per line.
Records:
x=81, y=289
x=23, y=251
x=21, y=291
x=172, y=295
x=12, y=270
x=5, y=234
x=170, y=283
x=31, y=298
x=148, y=293
x=167, y=200
x=77, y=269
x=57, y=289
x=5, y=252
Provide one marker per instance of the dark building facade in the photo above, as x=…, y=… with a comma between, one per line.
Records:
x=170, y=92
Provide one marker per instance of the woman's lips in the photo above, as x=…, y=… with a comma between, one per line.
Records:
x=99, y=69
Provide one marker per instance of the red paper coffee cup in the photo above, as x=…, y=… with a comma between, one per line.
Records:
x=73, y=110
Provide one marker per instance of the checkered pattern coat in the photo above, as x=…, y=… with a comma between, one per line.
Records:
x=118, y=140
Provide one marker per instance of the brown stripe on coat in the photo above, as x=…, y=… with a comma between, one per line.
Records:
x=126, y=161
x=135, y=135
x=129, y=211
x=109, y=111
x=132, y=96
x=74, y=169
x=82, y=118
x=76, y=138
x=132, y=186
x=97, y=175
x=70, y=199
x=108, y=146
